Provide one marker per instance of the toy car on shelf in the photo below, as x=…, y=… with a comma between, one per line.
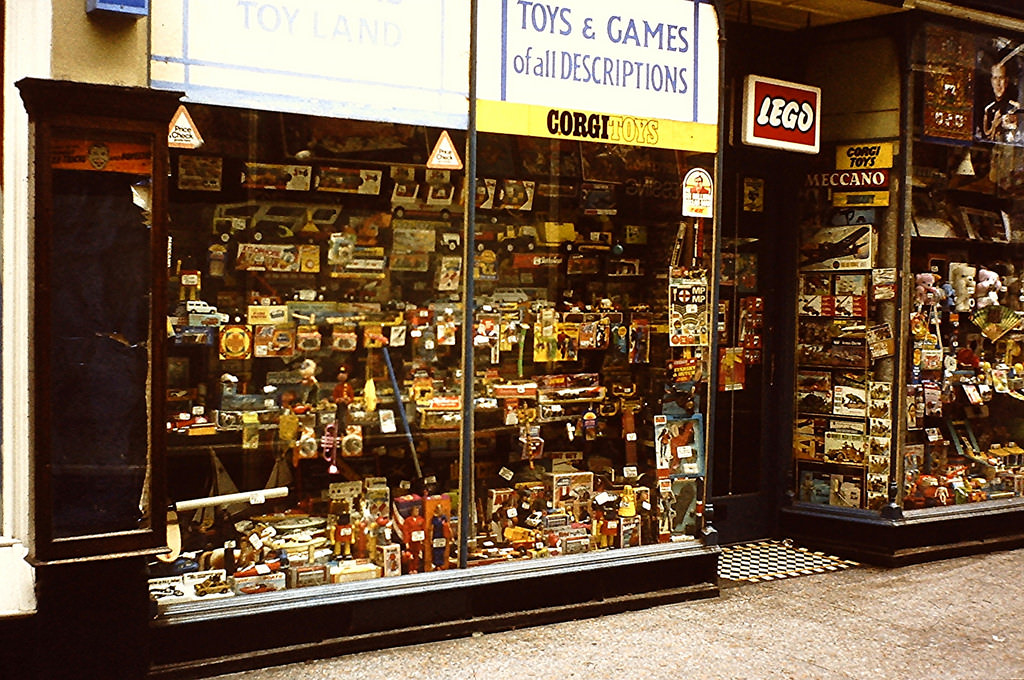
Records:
x=267, y=221
x=438, y=200
x=518, y=238
x=211, y=585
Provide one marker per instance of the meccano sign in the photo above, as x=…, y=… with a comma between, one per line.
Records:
x=781, y=115
x=643, y=73
x=846, y=180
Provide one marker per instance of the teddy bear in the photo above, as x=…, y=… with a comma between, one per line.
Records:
x=1012, y=287
x=927, y=290
x=987, y=287
x=962, y=276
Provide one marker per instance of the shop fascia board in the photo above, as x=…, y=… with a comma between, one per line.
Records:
x=966, y=14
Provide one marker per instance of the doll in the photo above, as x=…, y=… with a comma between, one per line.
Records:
x=441, y=539
x=413, y=536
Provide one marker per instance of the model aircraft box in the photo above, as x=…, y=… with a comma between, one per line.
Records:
x=837, y=248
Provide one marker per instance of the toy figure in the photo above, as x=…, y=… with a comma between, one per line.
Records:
x=413, y=536
x=343, y=394
x=379, y=531
x=627, y=502
x=668, y=512
x=441, y=537
x=343, y=534
x=648, y=517
x=605, y=523
x=341, y=531
x=361, y=534
x=503, y=517
x=580, y=505
x=307, y=369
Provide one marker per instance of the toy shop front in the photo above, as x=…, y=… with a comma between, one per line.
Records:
x=902, y=254
x=350, y=362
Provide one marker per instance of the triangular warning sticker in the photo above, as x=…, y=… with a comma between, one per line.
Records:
x=182, y=132
x=444, y=156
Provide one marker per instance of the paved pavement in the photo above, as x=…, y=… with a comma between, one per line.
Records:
x=957, y=618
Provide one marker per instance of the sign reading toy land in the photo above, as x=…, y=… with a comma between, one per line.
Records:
x=381, y=60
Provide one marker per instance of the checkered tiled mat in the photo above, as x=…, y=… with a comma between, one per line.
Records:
x=773, y=560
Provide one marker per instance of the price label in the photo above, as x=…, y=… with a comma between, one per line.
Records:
x=506, y=474
x=439, y=542
x=418, y=536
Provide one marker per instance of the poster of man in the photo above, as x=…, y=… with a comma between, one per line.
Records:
x=997, y=113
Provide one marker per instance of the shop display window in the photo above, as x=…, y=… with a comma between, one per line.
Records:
x=842, y=432
x=316, y=315
x=964, y=412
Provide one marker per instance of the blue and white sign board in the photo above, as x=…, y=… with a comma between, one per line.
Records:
x=138, y=8
x=403, y=61
x=642, y=72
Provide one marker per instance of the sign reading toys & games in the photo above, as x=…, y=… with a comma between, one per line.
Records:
x=643, y=73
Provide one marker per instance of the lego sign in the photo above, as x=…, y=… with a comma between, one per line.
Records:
x=781, y=115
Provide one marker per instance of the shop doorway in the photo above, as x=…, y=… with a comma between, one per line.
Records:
x=754, y=392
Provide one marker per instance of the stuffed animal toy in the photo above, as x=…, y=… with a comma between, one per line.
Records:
x=987, y=287
x=927, y=291
x=962, y=276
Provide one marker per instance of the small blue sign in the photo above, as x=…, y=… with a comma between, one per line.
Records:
x=139, y=8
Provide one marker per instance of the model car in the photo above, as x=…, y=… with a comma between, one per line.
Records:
x=212, y=585
x=522, y=238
